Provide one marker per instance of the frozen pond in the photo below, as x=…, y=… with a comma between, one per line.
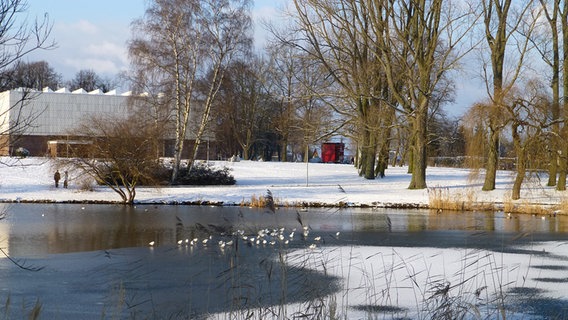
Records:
x=97, y=262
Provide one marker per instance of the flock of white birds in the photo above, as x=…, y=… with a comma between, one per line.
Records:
x=264, y=237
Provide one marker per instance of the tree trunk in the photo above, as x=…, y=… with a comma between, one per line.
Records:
x=521, y=165
x=131, y=196
x=561, y=185
x=492, y=161
x=383, y=161
x=283, y=148
x=246, y=152
x=177, y=159
x=410, y=153
x=368, y=152
x=555, y=85
x=563, y=164
x=521, y=171
x=553, y=166
x=563, y=145
x=418, y=180
x=387, y=115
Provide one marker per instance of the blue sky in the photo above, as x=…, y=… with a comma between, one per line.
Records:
x=89, y=34
x=93, y=34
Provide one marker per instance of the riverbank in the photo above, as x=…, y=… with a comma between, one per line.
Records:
x=291, y=184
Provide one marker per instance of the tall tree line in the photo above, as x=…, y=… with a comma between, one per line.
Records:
x=378, y=72
x=38, y=75
x=386, y=58
x=392, y=62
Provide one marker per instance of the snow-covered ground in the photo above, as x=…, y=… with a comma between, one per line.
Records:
x=31, y=179
x=374, y=275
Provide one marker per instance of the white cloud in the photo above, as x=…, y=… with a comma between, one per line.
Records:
x=85, y=26
x=100, y=66
x=114, y=50
x=85, y=45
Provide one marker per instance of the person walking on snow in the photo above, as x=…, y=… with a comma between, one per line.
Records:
x=65, y=179
x=57, y=177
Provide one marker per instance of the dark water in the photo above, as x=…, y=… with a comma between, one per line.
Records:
x=96, y=261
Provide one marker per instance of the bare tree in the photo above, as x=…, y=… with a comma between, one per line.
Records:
x=117, y=152
x=89, y=80
x=386, y=54
x=242, y=102
x=296, y=82
x=500, y=28
x=314, y=121
x=189, y=43
x=338, y=35
x=422, y=38
x=530, y=122
x=563, y=163
x=33, y=75
x=282, y=85
x=547, y=42
x=18, y=38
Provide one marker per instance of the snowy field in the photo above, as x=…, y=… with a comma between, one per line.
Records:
x=372, y=276
x=290, y=183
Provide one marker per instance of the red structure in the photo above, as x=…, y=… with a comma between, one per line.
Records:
x=332, y=152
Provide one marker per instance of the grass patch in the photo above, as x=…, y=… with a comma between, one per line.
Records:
x=444, y=198
x=525, y=207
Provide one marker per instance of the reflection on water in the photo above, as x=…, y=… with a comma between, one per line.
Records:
x=37, y=229
x=94, y=256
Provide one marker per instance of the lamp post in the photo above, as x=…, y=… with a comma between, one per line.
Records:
x=307, y=163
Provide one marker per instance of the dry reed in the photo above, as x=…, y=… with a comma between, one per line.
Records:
x=445, y=199
x=266, y=201
x=525, y=207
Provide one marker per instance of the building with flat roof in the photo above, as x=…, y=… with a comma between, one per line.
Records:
x=40, y=121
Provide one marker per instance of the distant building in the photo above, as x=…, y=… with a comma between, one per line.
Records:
x=53, y=114
x=333, y=152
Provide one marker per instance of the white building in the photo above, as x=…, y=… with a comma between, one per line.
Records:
x=46, y=118
x=48, y=115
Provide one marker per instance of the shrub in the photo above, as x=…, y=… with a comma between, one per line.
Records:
x=204, y=174
x=87, y=184
x=200, y=174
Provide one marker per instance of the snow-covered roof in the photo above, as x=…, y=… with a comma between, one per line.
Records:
x=80, y=90
x=113, y=92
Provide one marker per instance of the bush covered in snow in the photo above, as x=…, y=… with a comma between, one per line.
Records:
x=203, y=173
